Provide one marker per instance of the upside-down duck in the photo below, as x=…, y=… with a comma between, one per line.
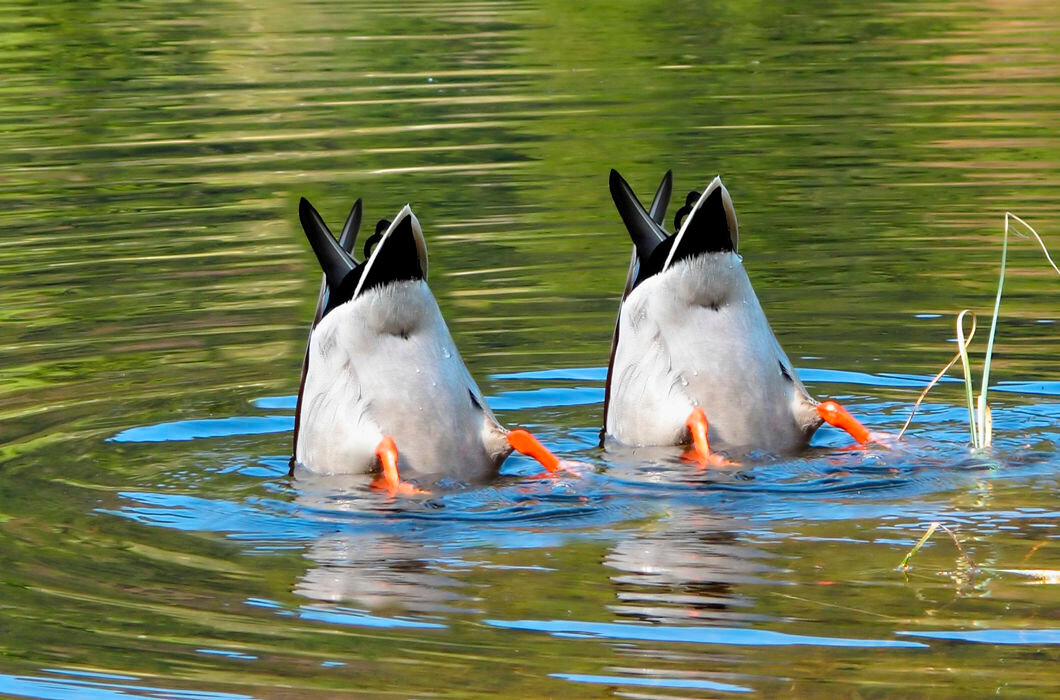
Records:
x=383, y=385
x=693, y=358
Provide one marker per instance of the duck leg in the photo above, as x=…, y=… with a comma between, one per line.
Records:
x=527, y=444
x=698, y=426
x=387, y=453
x=834, y=414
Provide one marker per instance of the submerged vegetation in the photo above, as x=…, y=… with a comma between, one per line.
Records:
x=980, y=419
x=966, y=569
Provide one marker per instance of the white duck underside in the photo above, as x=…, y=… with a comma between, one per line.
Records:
x=385, y=364
x=695, y=335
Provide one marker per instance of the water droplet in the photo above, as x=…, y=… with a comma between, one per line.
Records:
x=446, y=354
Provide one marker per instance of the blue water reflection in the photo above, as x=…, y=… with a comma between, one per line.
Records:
x=1030, y=637
x=690, y=683
x=557, y=397
x=1043, y=388
x=359, y=618
x=692, y=635
x=48, y=688
x=177, y=431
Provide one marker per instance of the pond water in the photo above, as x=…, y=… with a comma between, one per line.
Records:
x=155, y=290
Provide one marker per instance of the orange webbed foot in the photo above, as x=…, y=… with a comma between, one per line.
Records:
x=390, y=482
x=700, y=452
x=525, y=443
x=834, y=414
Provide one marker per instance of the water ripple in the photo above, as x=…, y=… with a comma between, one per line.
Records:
x=693, y=635
x=1029, y=637
x=687, y=683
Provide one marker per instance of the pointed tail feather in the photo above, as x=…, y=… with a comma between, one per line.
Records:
x=348, y=236
x=643, y=229
x=662, y=198
x=335, y=261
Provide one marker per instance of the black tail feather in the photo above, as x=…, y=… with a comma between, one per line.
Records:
x=643, y=229
x=348, y=237
x=336, y=262
x=662, y=198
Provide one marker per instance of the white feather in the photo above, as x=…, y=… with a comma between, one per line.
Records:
x=695, y=334
x=384, y=363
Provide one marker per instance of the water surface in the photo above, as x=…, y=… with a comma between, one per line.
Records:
x=155, y=292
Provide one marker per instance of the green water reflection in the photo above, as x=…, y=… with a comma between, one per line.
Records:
x=152, y=271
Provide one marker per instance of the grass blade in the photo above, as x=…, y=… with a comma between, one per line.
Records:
x=1038, y=238
x=981, y=403
x=983, y=418
x=916, y=547
x=962, y=349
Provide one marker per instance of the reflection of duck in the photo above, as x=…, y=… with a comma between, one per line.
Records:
x=693, y=343
x=685, y=569
x=378, y=572
x=382, y=372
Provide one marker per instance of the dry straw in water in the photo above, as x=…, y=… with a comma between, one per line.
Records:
x=980, y=423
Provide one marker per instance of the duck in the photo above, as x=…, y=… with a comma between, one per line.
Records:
x=693, y=357
x=383, y=386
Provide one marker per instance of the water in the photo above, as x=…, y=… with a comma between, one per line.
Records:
x=155, y=292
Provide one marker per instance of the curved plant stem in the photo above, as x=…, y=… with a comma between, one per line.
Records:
x=962, y=348
x=1038, y=238
x=980, y=421
x=904, y=565
x=933, y=382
